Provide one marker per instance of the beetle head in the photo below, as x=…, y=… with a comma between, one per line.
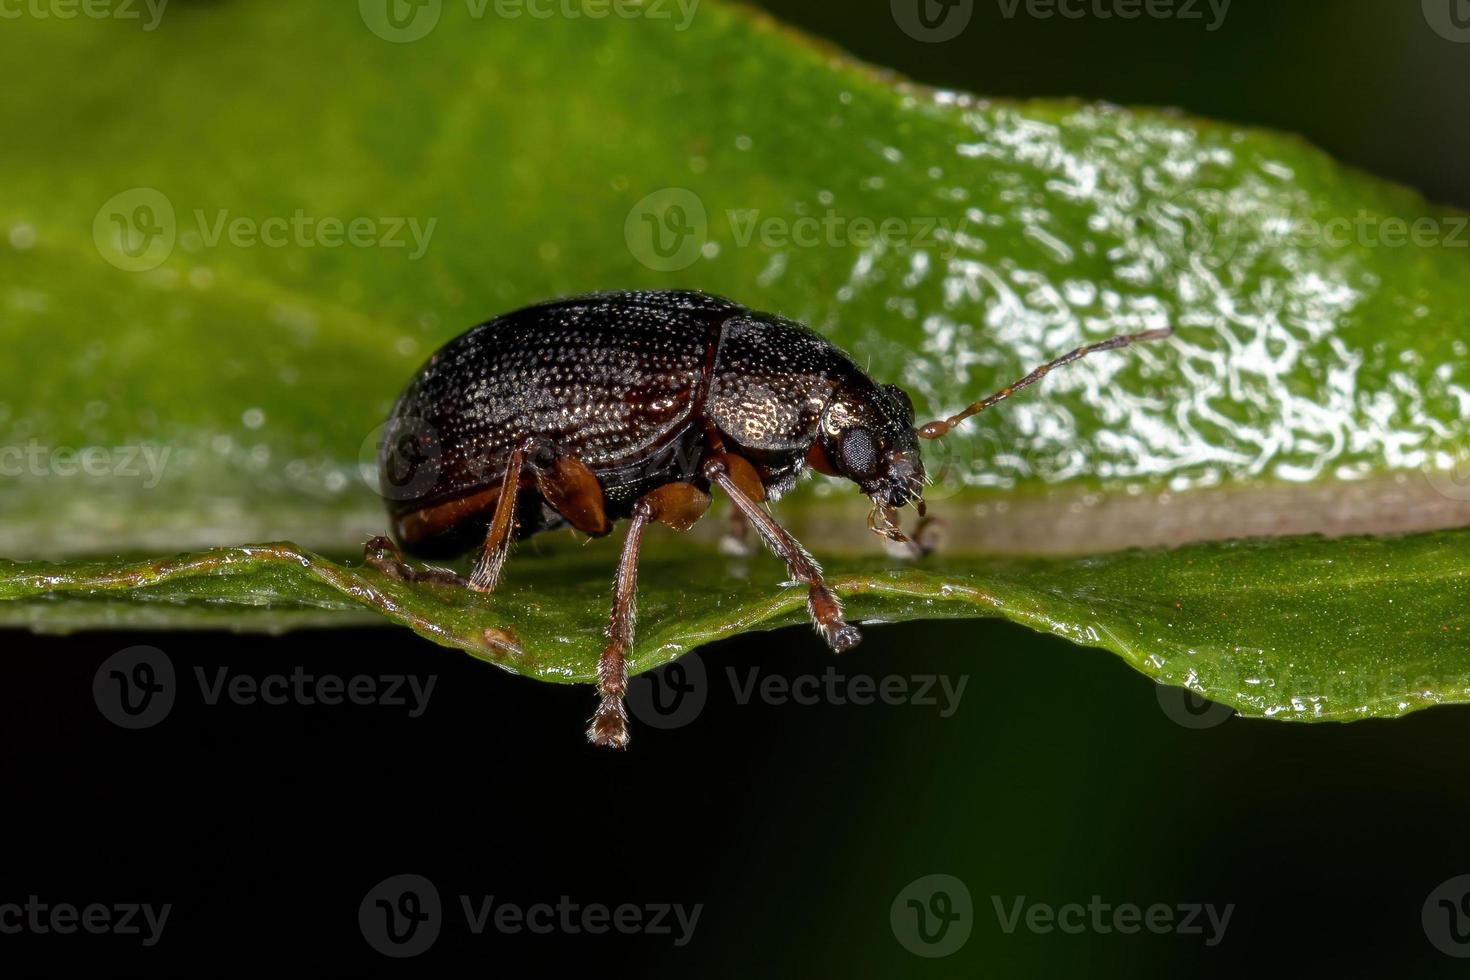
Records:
x=867, y=435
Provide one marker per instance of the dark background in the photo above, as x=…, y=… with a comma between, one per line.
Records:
x=1060, y=777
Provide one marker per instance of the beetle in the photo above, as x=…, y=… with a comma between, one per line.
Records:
x=633, y=406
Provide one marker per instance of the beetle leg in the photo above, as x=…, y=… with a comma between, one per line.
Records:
x=573, y=491
x=381, y=553
x=679, y=506
x=923, y=541
x=486, y=574
x=733, y=475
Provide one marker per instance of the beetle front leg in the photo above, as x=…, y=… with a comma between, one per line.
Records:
x=381, y=553
x=679, y=506
x=738, y=479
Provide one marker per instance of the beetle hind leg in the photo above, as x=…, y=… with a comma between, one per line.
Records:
x=678, y=506
x=609, y=725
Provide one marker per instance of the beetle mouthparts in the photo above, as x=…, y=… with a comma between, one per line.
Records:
x=883, y=521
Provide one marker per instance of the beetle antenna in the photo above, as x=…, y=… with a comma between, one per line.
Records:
x=939, y=429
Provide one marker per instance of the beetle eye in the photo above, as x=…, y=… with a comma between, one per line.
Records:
x=902, y=397
x=859, y=452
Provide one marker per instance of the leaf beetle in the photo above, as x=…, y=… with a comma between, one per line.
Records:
x=635, y=406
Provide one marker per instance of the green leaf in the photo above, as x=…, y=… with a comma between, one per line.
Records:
x=194, y=360
x=1296, y=628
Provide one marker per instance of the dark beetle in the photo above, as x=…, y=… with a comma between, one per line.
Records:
x=632, y=405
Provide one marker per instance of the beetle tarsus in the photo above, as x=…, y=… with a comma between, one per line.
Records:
x=381, y=553
x=826, y=613
x=846, y=638
x=609, y=728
